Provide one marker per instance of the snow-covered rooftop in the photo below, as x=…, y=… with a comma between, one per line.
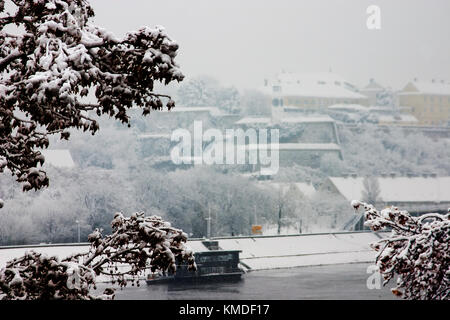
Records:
x=372, y=86
x=348, y=107
x=429, y=87
x=144, y=136
x=320, y=84
x=398, y=189
x=295, y=146
x=296, y=119
x=302, y=250
x=251, y=120
x=292, y=119
x=258, y=252
x=180, y=109
x=358, y=107
x=60, y=158
x=212, y=110
x=409, y=118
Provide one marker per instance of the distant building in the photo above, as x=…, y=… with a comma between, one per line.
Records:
x=381, y=115
x=317, y=129
x=59, y=158
x=397, y=119
x=429, y=101
x=427, y=193
x=311, y=91
x=303, y=139
x=371, y=90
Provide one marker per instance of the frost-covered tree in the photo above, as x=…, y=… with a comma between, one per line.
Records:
x=194, y=93
x=254, y=102
x=372, y=151
x=385, y=98
x=137, y=243
x=206, y=92
x=57, y=69
x=371, y=191
x=417, y=251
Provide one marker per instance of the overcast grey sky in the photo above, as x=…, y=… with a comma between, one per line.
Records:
x=241, y=42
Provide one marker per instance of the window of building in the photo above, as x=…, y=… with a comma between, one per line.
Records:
x=275, y=102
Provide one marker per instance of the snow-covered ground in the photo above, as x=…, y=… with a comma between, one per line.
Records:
x=259, y=252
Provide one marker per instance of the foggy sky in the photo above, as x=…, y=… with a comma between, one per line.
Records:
x=240, y=42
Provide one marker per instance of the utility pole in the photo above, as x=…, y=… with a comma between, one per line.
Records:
x=208, y=225
x=78, y=223
x=279, y=219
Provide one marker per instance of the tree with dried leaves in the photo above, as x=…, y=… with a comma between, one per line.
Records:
x=53, y=60
x=417, y=251
x=137, y=243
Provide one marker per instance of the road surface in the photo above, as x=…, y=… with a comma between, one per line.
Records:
x=345, y=281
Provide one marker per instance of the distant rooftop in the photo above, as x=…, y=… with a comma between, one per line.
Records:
x=293, y=119
x=372, y=86
x=398, y=189
x=409, y=118
x=321, y=84
x=250, y=120
x=438, y=87
x=60, y=158
x=294, y=146
x=145, y=136
x=348, y=107
x=212, y=110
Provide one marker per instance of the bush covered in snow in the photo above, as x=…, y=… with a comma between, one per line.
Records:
x=417, y=251
x=136, y=244
x=53, y=59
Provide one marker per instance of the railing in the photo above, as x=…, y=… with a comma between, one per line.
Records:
x=43, y=245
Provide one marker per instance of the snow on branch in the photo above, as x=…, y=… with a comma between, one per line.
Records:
x=417, y=251
x=58, y=59
x=137, y=243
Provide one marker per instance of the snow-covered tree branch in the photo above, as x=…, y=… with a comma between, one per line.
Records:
x=54, y=60
x=136, y=244
x=417, y=251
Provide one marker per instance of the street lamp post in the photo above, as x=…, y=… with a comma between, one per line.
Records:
x=208, y=226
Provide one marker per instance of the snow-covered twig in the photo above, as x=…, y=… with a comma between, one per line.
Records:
x=138, y=243
x=417, y=251
x=58, y=58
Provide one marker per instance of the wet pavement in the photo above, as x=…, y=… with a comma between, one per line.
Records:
x=346, y=281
